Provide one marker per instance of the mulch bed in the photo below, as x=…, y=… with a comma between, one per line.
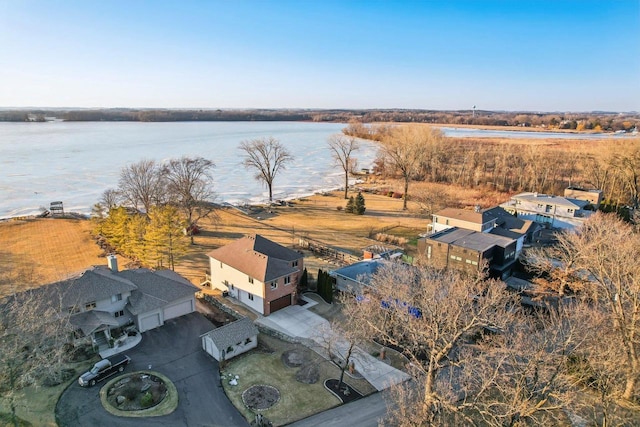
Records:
x=308, y=374
x=346, y=393
x=260, y=397
x=294, y=358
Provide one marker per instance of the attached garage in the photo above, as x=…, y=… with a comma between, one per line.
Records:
x=149, y=322
x=280, y=303
x=179, y=309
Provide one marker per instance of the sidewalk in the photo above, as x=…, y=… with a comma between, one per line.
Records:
x=129, y=342
x=296, y=321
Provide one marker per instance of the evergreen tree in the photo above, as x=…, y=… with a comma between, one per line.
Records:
x=114, y=227
x=304, y=279
x=319, y=282
x=351, y=205
x=165, y=235
x=359, y=204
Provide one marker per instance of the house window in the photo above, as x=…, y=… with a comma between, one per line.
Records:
x=116, y=298
x=221, y=265
x=232, y=287
x=570, y=210
x=287, y=280
x=90, y=305
x=294, y=263
x=74, y=309
x=119, y=313
x=274, y=285
x=247, y=341
x=250, y=279
x=250, y=296
x=447, y=222
x=428, y=251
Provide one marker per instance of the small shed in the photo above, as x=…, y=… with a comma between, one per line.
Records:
x=231, y=340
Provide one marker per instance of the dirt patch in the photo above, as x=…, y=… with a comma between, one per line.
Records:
x=260, y=397
x=308, y=374
x=295, y=357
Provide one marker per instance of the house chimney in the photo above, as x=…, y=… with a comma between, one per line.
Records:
x=112, y=263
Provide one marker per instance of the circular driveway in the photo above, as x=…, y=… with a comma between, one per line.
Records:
x=174, y=350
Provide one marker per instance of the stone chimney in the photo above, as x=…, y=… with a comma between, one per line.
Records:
x=112, y=263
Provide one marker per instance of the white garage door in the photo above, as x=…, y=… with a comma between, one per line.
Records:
x=178, y=310
x=149, y=322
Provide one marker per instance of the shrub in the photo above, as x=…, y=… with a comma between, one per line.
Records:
x=146, y=400
x=339, y=208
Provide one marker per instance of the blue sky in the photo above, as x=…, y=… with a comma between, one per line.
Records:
x=499, y=55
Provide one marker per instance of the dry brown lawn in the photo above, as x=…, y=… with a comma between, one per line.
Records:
x=53, y=249
x=47, y=250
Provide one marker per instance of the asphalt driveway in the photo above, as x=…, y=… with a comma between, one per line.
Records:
x=175, y=351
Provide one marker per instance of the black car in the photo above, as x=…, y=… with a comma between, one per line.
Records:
x=103, y=369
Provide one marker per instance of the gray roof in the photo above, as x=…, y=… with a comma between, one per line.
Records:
x=551, y=200
x=450, y=235
x=155, y=289
x=360, y=271
x=467, y=215
x=89, y=321
x=471, y=239
x=232, y=333
x=95, y=284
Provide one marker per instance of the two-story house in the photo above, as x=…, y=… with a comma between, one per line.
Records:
x=474, y=220
x=495, y=220
x=469, y=250
x=258, y=272
x=554, y=211
x=103, y=298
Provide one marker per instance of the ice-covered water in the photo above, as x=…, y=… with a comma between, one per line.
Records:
x=75, y=162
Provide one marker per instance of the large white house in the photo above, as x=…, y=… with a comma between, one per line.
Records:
x=556, y=211
x=258, y=272
x=103, y=298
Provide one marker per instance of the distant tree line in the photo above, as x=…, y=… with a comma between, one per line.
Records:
x=597, y=121
x=413, y=153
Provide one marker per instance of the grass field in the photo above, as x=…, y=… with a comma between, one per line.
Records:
x=53, y=249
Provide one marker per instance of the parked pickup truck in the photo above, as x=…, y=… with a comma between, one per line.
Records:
x=103, y=369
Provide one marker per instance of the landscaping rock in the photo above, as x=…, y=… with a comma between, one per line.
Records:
x=120, y=400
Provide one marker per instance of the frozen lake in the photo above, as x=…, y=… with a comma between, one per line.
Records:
x=76, y=161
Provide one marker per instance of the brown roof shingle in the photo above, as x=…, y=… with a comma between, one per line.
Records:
x=257, y=257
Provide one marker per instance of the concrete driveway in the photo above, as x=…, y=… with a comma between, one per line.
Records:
x=175, y=351
x=297, y=321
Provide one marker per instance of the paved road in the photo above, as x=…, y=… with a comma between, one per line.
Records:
x=175, y=351
x=367, y=412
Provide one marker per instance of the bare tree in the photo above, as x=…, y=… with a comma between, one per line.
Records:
x=141, y=184
x=341, y=149
x=190, y=187
x=110, y=198
x=404, y=150
x=603, y=257
x=429, y=316
x=34, y=336
x=267, y=156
